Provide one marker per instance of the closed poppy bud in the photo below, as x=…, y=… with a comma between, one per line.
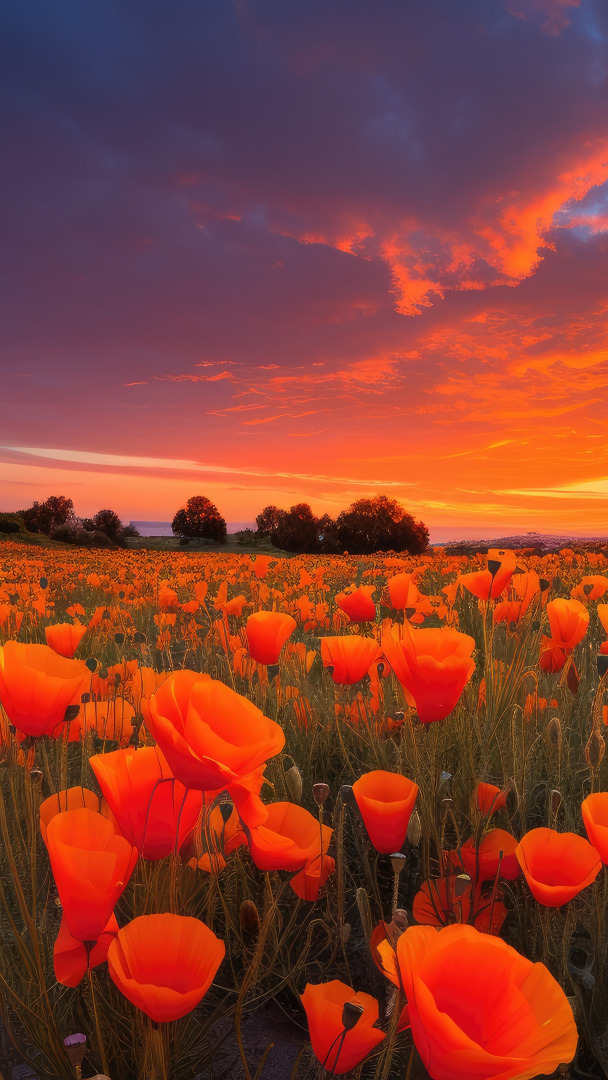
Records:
x=433, y=665
x=267, y=632
x=165, y=964
x=340, y=1048
x=385, y=800
x=249, y=917
x=490, y=798
x=358, y=603
x=37, y=686
x=350, y=657
x=91, y=864
x=595, y=817
x=480, y=1010
x=64, y=638
x=557, y=866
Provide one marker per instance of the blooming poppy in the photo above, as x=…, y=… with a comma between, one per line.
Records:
x=214, y=738
x=91, y=864
x=154, y=811
x=337, y=1046
x=590, y=588
x=349, y=657
x=308, y=882
x=489, y=798
x=64, y=638
x=72, y=960
x=74, y=798
x=165, y=964
x=557, y=866
x=267, y=632
x=358, y=603
x=222, y=835
x=522, y=590
x=37, y=685
x=453, y=899
x=484, y=862
x=385, y=800
x=480, y=1010
x=568, y=620
x=491, y=583
x=595, y=817
x=433, y=665
x=288, y=839
x=403, y=592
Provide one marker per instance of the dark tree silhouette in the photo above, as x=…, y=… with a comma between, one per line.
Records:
x=43, y=517
x=297, y=530
x=380, y=524
x=269, y=520
x=200, y=519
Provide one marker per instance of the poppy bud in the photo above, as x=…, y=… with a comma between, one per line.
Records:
x=36, y=776
x=544, y=584
x=293, y=779
x=365, y=912
x=556, y=800
x=400, y=920
x=351, y=1014
x=414, y=829
x=71, y=713
x=595, y=749
x=249, y=916
x=554, y=732
x=320, y=793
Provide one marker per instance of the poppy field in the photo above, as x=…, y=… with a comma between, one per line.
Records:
x=367, y=795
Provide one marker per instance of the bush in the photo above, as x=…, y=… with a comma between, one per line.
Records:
x=44, y=517
x=246, y=537
x=75, y=534
x=200, y=519
x=12, y=523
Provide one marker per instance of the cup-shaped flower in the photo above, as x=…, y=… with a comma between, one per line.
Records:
x=91, y=864
x=72, y=959
x=154, y=811
x=496, y=850
x=358, y=603
x=454, y=899
x=385, y=800
x=522, y=590
x=557, y=866
x=165, y=964
x=74, y=798
x=267, y=632
x=213, y=738
x=433, y=665
x=350, y=657
x=568, y=620
x=339, y=1050
x=595, y=817
x=489, y=798
x=289, y=838
x=64, y=638
x=37, y=685
x=479, y=1010
x=308, y=882
x=403, y=592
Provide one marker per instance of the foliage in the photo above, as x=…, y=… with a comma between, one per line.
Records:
x=269, y=520
x=380, y=524
x=109, y=523
x=297, y=530
x=43, y=517
x=246, y=537
x=200, y=519
x=81, y=537
x=12, y=523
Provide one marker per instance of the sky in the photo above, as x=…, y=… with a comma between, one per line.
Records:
x=271, y=252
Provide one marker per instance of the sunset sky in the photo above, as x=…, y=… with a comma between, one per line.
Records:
x=285, y=250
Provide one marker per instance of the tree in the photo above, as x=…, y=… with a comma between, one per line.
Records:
x=297, y=530
x=269, y=519
x=380, y=524
x=105, y=521
x=200, y=519
x=43, y=517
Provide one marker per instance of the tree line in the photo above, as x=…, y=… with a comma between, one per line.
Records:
x=368, y=525
x=55, y=517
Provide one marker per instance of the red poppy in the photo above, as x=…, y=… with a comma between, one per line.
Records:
x=267, y=632
x=340, y=1048
x=288, y=839
x=213, y=738
x=64, y=638
x=489, y=798
x=479, y=1010
x=37, y=685
x=358, y=603
x=595, y=817
x=72, y=960
x=497, y=849
x=386, y=801
x=453, y=899
x=165, y=964
x=91, y=864
x=349, y=657
x=433, y=665
x=154, y=811
x=308, y=882
x=557, y=866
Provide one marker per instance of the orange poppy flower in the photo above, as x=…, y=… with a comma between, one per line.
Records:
x=489, y=798
x=74, y=798
x=386, y=801
x=64, y=638
x=308, y=882
x=71, y=960
x=154, y=811
x=595, y=817
x=403, y=592
x=91, y=864
x=267, y=632
x=337, y=1045
x=453, y=899
x=590, y=588
x=568, y=620
x=433, y=665
x=165, y=964
x=358, y=603
x=213, y=738
x=485, y=861
x=349, y=657
x=522, y=590
x=557, y=866
x=221, y=837
x=489, y=584
x=478, y=1009
x=288, y=839
x=37, y=685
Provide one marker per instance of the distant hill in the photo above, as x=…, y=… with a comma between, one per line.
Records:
x=539, y=542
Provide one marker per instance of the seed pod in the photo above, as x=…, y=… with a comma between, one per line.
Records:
x=365, y=913
x=347, y=796
x=351, y=1014
x=75, y=1047
x=461, y=884
x=595, y=749
x=345, y=932
x=249, y=917
x=320, y=793
x=553, y=732
x=398, y=861
x=556, y=800
x=414, y=829
x=293, y=780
